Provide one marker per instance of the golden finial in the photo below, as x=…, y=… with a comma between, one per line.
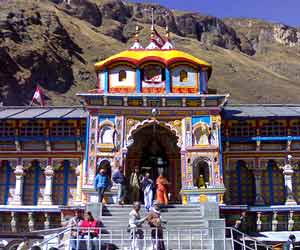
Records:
x=137, y=33
x=152, y=32
x=167, y=32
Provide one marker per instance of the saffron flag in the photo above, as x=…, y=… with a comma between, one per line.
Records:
x=38, y=97
x=158, y=39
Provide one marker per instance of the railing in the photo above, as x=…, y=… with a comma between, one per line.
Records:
x=242, y=241
x=152, y=238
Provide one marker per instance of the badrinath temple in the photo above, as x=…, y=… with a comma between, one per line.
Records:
x=152, y=110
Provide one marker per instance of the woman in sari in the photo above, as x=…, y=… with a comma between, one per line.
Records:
x=162, y=189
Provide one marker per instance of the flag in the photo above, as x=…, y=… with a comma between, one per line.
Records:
x=158, y=39
x=38, y=97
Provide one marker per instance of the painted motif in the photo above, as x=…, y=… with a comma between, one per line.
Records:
x=184, y=79
x=122, y=79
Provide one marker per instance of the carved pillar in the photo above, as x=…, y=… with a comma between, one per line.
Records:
x=258, y=196
x=13, y=222
x=258, y=221
x=49, y=173
x=78, y=185
x=291, y=221
x=274, y=222
x=30, y=222
x=47, y=221
x=288, y=173
x=19, y=172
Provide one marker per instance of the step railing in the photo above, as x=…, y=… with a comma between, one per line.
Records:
x=151, y=239
x=242, y=241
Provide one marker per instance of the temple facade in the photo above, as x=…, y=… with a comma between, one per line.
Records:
x=151, y=110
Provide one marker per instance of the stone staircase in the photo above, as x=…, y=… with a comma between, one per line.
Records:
x=186, y=226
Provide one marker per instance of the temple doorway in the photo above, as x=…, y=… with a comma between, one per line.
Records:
x=155, y=150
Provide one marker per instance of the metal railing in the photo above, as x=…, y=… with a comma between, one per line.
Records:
x=152, y=238
x=242, y=241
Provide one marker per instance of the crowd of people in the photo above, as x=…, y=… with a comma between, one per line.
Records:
x=133, y=189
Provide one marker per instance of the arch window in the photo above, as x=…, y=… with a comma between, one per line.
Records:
x=34, y=181
x=32, y=129
x=6, y=129
x=64, y=184
x=242, y=129
x=183, y=76
x=63, y=129
x=242, y=185
x=295, y=128
x=122, y=75
x=7, y=181
x=273, y=189
x=273, y=128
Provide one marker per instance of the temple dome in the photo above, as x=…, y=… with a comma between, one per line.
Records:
x=167, y=57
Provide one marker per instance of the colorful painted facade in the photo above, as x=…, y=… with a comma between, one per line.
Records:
x=151, y=110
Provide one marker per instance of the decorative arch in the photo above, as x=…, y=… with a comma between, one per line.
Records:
x=201, y=132
x=106, y=132
x=141, y=124
x=201, y=171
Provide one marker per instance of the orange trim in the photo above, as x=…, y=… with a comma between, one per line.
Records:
x=122, y=90
x=153, y=90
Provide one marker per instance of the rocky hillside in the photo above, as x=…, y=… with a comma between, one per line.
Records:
x=55, y=44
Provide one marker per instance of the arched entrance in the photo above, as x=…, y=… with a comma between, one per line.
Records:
x=155, y=149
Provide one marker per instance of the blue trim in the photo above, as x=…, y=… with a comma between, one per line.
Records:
x=270, y=176
x=168, y=80
x=7, y=182
x=138, y=81
x=204, y=83
x=106, y=81
x=220, y=154
x=37, y=172
x=261, y=138
x=203, y=118
x=87, y=131
x=66, y=181
x=238, y=172
x=200, y=81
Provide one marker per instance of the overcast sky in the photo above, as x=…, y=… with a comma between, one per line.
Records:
x=283, y=11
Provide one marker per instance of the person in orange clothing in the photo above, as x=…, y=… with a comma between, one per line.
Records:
x=162, y=189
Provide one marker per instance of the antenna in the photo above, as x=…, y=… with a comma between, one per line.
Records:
x=152, y=17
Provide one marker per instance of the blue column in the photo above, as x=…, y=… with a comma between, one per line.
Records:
x=238, y=171
x=37, y=173
x=138, y=83
x=168, y=80
x=204, y=83
x=66, y=181
x=270, y=175
x=200, y=81
x=7, y=182
x=87, y=131
x=106, y=81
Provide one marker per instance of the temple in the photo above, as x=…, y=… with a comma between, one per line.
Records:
x=152, y=110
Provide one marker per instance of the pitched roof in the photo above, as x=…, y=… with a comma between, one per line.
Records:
x=245, y=111
x=42, y=112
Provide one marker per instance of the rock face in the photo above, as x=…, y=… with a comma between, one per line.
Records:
x=54, y=44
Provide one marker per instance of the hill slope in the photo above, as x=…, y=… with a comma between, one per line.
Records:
x=56, y=44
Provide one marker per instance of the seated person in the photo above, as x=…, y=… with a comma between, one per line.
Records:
x=89, y=230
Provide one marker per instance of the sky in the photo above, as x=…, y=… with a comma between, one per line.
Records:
x=282, y=11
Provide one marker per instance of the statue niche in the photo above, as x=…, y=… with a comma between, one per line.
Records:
x=107, y=136
x=201, y=134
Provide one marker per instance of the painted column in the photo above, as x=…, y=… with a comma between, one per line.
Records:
x=30, y=222
x=106, y=81
x=19, y=173
x=288, y=173
x=13, y=222
x=78, y=185
x=49, y=173
x=168, y=80
x=200, y=81
x=258, y=196
x=138, y=81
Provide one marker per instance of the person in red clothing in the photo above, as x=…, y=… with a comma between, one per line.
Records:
x=89, y=230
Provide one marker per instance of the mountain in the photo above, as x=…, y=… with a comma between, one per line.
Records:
x=55, y=44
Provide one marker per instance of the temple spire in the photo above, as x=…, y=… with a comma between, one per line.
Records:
x=168, y=44
x=136, y=44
